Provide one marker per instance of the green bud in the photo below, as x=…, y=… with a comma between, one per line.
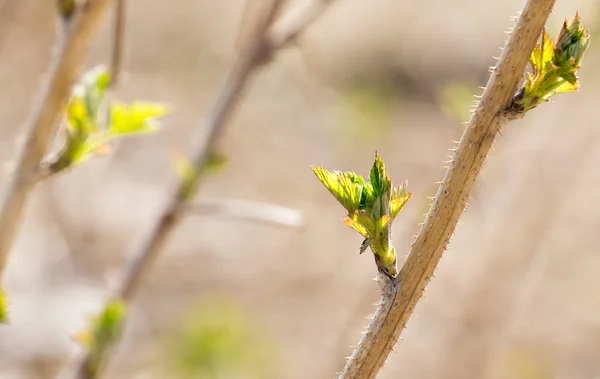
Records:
x=571, y=43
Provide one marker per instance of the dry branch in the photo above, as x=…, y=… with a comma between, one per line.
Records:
x=401, y=294
x=44, y=119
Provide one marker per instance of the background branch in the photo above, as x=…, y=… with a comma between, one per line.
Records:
x=258, y=51
x=249, y=210
x=401, y=294
x=116, y=61
x=44, y=118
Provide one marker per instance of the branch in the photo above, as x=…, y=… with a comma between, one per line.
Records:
x=260, y=50
x=248, y=210
x=116, y=61
x=401, y=294
x=80, y=25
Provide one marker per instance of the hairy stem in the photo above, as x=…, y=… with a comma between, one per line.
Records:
x=44, y=119
x=401, y=294
x=270, y=37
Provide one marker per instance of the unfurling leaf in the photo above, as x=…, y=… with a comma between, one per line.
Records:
x=372, y=207
x=346, y=187
x=357, y=226
x=554, y=66
x=573, y=40
x=378, y=177
x=399, y=199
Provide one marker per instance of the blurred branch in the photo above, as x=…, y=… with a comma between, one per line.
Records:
x=8, y=10
x=248, y=210
x=118, y=39
x=80, y=22
x=401, y=294
x=269, y=39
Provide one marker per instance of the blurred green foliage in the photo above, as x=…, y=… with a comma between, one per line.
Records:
x=102, y=333
x=526, y=363
x=366, y=110
x=456, y=100
x=216, y=341
x=3, y=307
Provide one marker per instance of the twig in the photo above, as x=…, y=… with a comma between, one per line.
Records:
x=249, y=210
x=116, y=61
x=149, y=245
x=44, y=118
x=401, y=294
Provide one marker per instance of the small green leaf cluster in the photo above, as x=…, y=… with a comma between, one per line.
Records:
x=554, y=66
x=372, y=207
x=103, y=331
x=84, y=135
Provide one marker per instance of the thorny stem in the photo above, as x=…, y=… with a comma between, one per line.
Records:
x=44, y=118
x=270, y=38
x=401, y=294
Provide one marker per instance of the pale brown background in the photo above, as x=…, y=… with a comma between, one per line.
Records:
x=515, y=296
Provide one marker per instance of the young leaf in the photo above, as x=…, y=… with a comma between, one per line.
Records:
x=371, y=208
x=398, y=200
x=3, y=307
x=378, y=177
x=571, y=43
x=357, y=226
x=541, y=56
x=346, y=187
x=135, y=118
x=78, y=118
x=554, y=66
